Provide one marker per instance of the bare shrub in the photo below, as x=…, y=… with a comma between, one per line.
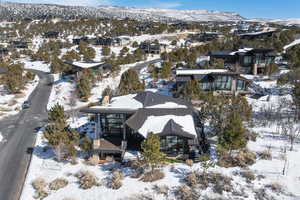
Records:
x=192, y=179
x=247, y=174
x=152, y=176
x=184, y=192
x=116, y=179
x=161, y=189
x=251, y=136
x=39, y=184
x=93, y=161
x=261, y=194
x=12, y=102
x=241, y=159
x=137, y=173
x=265, y=155
x=86, y=179
x=221, y=183
x=189, y=162
x=58, y=183
x=275, y=187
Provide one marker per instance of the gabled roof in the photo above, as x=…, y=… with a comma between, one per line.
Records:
x=163, y=122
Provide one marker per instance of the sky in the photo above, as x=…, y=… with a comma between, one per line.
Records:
x=246, y=8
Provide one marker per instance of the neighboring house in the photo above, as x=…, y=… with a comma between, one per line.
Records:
x=20, y=44
x=206, y=36
x=144, y=27
x=152, y=47
x=3, y=52
x=257, y=35
x=126, y=121
x=108, y=41
x=51, y=35
x=77, y=41
x=213, y=80
x=246, y=60
x=77, y=67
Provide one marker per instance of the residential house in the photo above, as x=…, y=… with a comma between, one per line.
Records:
x=77, y=40
x=153, y=47
x=261, y=35
x=125, y=121
x=144, y=27
x=246, y=60
x=51, y=35
x=213, y=80
x=108, y=41
x=3, y=52
x=76, y=68
x=20, y=44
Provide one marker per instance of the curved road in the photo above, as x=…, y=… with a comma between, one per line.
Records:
x=19, y=133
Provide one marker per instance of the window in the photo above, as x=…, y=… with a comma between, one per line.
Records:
x=247, y=60
x=222, y=83
x=112, y=124
x=174, y=145
x=241, y=85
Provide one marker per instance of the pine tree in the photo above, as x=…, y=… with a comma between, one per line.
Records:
x=71, y=55
x=166, y=71
x=190, y=90
x=84, y=88
x=106, y=51
x=130, y=83
x=86, y=144
x=57, y=65
x=233, y=135
x=14, y=80
x=89, y=54
x=59, y=134
x=151, y=151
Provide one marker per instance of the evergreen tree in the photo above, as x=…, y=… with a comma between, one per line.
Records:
x=233, y=135
x=151, y=151
x=106, y=51
x=72, y=55
x=14, y=80
x=166, y=70
x=83, y=88
x=59, y=134
x=190, y=90
x=271, y=69
x=89, y=54
x=57, y=65
x=86, y=144
x=130, y=83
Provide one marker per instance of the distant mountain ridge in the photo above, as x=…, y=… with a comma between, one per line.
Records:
x=11, y=11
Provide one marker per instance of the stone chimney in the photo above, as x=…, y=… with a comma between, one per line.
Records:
x=105, y=100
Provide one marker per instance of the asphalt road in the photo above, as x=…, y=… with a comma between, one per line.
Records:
x=20, y=132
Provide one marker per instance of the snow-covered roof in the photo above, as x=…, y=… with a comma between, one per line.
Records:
x=156, y=124
x=199, y=71
x=244, y=50
x=292, y=44
x=86, y=65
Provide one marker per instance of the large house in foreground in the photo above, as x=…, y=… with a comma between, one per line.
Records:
x=125, y=121
x=213, y=80
x=246, y=60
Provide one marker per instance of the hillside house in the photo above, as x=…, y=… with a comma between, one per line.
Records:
x=51, y=35
x=246, y=60
x=152, y=47
x=261, y=35
x=3, y=52
x=77, y=41
x=213, y=80
x=76, y=68
x=108, y=41
x=123, y=123
x=20, y=44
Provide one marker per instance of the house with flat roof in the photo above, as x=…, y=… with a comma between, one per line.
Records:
x=3, y=52
x=51, y=35
x=247, y=60
x=125, y=121
x=76, y=67
x=218, y=81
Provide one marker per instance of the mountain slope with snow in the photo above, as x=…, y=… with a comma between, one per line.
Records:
x=10, y=10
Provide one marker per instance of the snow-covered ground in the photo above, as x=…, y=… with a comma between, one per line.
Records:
x=11, y=104
x=292, y=44
x=64, y=89
x=269, y=171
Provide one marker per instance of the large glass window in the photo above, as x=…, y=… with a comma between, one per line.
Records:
x=247, y=60
x=222, y=82
x=112, y=124
x=241, y=85
x=174, y=145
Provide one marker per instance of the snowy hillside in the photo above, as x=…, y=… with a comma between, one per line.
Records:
x=18, y=10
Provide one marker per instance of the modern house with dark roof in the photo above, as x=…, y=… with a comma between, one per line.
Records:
x=80, y=39
x=108, y=41
x=51, y=35
x=152, y=47
x=20, y=44
x=246, y=60
x=218, y=81
x=124, y=122
x=261, y=35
